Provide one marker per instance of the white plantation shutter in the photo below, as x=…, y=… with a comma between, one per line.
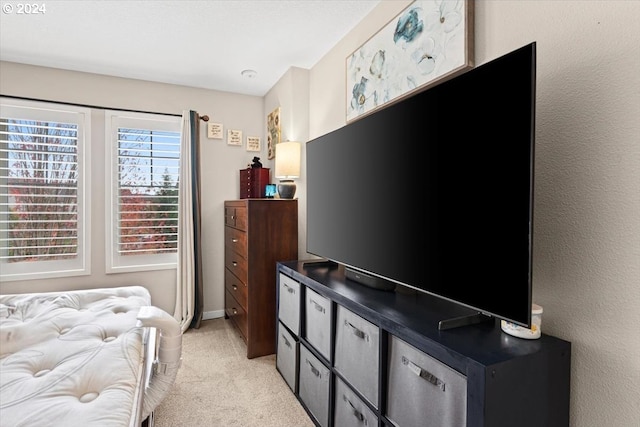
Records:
x=43, y=227
x=145, y=154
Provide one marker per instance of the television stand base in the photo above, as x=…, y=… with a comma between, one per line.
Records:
x=319, y=262
x=369, y=280
x=470, y=319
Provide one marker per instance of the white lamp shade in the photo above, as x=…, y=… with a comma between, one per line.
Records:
x=287, y=160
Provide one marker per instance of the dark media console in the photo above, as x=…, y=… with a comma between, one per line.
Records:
x=354, y=355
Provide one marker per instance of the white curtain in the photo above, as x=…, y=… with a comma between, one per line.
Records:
x=188, y=309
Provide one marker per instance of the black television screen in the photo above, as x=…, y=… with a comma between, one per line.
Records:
x=435, y=192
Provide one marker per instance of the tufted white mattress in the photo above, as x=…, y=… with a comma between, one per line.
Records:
x=73, y=358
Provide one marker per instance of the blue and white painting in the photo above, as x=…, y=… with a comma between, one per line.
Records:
x=426, y=42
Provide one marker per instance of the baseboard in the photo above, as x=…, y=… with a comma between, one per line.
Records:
x=208, y=315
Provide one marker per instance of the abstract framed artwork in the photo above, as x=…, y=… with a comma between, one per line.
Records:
x=429, y=41
x=273, y=132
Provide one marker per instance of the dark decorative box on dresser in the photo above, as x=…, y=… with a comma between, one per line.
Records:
x=258, y=233
x=253, y=182
x=367, y=357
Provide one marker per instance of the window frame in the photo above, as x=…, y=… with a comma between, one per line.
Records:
x=52, y=112
x=116, y=263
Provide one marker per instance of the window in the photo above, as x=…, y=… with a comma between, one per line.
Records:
x=44, y=221
x=144, y=153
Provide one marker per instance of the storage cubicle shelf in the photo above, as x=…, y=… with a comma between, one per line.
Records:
x=493, y=379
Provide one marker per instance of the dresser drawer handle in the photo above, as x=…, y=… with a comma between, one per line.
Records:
x=286, y=341
x=357, y=332
x=234, y=240
x=234, y=263
x=235, y=288
x=423, y=373
x=234, y=311
x=356, y=413
x=315, y=371
x=318, y=306
x=289, y=288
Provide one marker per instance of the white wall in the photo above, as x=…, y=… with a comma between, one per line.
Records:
x=220, y=167
x=587, y=189
x=291, y=94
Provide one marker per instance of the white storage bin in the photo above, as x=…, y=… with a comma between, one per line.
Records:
x=287, y=356
x=350, y=410
x=318, y=314
x=422, y=391
x=357, y=352
x=314, y=386
x=289, y=303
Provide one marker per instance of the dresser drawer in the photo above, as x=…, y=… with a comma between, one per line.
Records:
x=423, y=391
x=357, y=352
x=235, y=215
x=235, y=312
x=349, y=410
x=236, y=240
x=318, y=314
x=289, y=303
x=314, y=386
x=287, y=356
x=236, y=264
x=236, y=288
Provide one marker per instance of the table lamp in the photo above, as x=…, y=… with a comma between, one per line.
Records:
x=287, y=167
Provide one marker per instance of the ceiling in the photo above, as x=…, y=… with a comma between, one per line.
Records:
x=204, y=44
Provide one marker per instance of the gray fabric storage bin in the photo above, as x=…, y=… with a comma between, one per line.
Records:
x=289, y=303
x=314, y=386
x=318, y=313
x=423, y=391
x=357, y=352
x=287, y=356
x=350, y=410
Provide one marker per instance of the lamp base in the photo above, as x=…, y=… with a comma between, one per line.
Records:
x=286, y=189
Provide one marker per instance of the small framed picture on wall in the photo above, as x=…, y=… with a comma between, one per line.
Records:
x=234, y=137
x=253, y=143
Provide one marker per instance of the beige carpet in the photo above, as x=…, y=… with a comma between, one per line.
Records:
x=218, y=386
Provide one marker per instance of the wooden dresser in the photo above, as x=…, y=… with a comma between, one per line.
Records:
x=258, y=233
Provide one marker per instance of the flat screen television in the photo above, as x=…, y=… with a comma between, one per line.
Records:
x=435, y=192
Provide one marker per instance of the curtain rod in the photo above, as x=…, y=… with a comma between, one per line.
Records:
x=204, y=118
